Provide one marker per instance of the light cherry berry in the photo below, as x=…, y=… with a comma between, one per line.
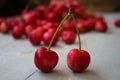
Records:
x=117, y=23
x=68, y=37
x=45, y=60
x=4, y=27
x=28, y=29
x=47, y=37
x=17, y=32
x=35, y=36
x=78, y=60
x=101, y=26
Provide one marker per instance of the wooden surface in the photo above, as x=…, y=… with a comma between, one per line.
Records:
x=16, y=57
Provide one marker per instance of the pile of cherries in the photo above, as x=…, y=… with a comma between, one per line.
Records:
x=39, y=24
x=46, y=59
x=49, y=23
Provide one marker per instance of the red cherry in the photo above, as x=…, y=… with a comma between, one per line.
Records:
x=117, y=23
x=78, y=11
x=4, y=27
x=51, y=16
x=12, y=22
x=41, y=10
x=49, y=25
x=17, y=32
x=81, y=27
x=101, y=26
x=47, y=37
x=68, y=5
x=22, y=26
x=30, y=17
x=28, y=29
x=89, y=24
x=45, y=60
x=36, y=36
x=69, y=26
x=68, y=37
x=78, y=60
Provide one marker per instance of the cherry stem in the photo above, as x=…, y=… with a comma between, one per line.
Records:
x=58, y=29
x=78, y=33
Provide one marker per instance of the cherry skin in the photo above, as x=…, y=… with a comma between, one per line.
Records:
x=81, y=26
x=89, y=24
x=36, y=36
x=41, y=10
x=51, y=16
x=17, y=32
x=117, y=23
x=47, y=37
x=45, y=60
x=12, y=22
x=4, y=27
x=78, y=60
x=68, y=37
x=101, y=26
x=28, y=29
x=30, y=17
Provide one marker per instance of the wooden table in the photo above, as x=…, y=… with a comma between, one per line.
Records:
x=17, y=57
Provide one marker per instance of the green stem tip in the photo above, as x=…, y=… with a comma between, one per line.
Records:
x=78, y=33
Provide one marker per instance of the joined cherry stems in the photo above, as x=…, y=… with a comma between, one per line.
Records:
x=69, y=14
x=78, y=33
x=58, y=29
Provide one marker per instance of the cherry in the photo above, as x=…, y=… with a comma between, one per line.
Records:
x=41, y=10
x=36, y=36
x=78, y=9
x=17, y=32
x=89, y=24
x=68, y=37
x=48, y=25
x=101, y=26
x=81, y=26
x=68, y=5
x=77, y=59
x=4, y=27
x=12, y=22
x=51, y=16
x=117, y=22
x=28, y=29
x=40, y=22
x=30, y=17
x=67, y=26
x=47, y=37
x=45, y=60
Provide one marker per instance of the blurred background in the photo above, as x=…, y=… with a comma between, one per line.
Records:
x=14, y=7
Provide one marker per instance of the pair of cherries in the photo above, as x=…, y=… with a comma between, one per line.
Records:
x=46, y=59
